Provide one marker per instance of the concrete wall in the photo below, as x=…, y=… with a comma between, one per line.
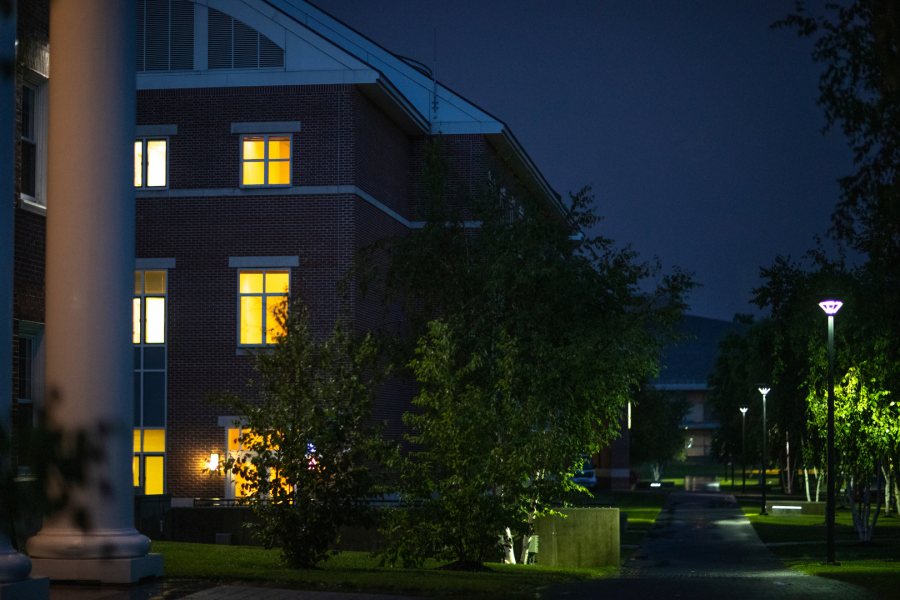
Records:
x=585, y=537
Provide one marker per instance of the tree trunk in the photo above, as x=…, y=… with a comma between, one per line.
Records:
x=788, y=480
x=806, y=484
x=818, y=482
x=509, y=553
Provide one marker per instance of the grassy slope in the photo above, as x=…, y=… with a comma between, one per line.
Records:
x=359, y=571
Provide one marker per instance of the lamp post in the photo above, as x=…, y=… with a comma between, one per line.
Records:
x=743, y=410
x=831, y=307
x=764, y=391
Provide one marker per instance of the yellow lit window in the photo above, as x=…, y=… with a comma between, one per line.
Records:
x=148, y=463
x=151, y=163
x=265, y=160
x=263, y=298
x=148, y=308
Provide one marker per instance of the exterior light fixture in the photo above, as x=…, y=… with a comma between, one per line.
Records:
x=831, y=307
x=764, y=391
x=213, y=463
x=743, y=410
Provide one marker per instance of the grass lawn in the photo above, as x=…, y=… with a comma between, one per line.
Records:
x=359, y=571
x=642, y=508
x=799, y=540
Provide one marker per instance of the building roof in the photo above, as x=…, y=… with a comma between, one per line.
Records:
x=688, y=363
x=320, y=49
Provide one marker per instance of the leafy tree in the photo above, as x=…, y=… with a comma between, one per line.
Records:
x=308, y=445
x=656, y=433
x=865, y=435
x=529, y=343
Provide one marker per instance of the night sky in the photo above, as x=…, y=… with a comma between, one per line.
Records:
x=695, y=124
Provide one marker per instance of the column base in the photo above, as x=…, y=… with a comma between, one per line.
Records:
x=27, y=589
x=104, y=570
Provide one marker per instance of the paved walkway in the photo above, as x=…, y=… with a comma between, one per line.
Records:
x=702, y=546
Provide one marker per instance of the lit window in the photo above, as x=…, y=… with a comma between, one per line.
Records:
x=149, y=338
x=265, y=160
x=148, y=463
x=263, y=297
x=150, y=163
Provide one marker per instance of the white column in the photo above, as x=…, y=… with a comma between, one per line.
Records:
x=90, y=264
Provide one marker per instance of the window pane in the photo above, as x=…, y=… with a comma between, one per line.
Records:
x=154, y=401
x=135, y=470
x=155, y=320
x=251, y=283
x=156, y=163
x=234, y=439
x=254, y=148
x=137, y=398
x=251, y=320
x=155, y=282
x=137, y=440
x=154, y=440
x=254, y=173
x=279, y=147
x=275, y=329
x=137, y=359
x=153, y=474
x=138, y=163
x=138, y=282
x=277, y=282
x=136, y=321
x=155, y=357
x=279, y=172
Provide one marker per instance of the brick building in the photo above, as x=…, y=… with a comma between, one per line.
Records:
x=272, y=142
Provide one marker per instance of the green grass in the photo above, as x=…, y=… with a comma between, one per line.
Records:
x=642, y=508
x=359, y=571
x=799, y=540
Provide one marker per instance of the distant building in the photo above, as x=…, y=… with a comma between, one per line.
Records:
x=685, y=367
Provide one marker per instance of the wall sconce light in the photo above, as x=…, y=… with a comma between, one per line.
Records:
x=213, y=463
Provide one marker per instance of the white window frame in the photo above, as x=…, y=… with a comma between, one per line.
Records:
x=143, y=140
x=264, y=295
x=40, y=119
x=265, y=160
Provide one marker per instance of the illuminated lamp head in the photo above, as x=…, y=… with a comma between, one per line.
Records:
x=744, y=410
x=831, y=306
x=764, y=391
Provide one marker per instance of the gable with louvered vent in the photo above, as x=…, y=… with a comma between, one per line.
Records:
x=165, y=35
x=236, y=45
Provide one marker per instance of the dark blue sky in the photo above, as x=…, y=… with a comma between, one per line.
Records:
x=694, y=122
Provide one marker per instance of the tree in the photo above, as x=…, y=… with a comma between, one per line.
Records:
x=656, y=433
x=528, y=345
x=308, y=445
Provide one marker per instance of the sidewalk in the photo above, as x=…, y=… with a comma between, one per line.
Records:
x=702, y=546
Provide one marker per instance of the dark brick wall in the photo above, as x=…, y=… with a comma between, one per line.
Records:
x=205, y=154
x=201, y=234
x=382, y=157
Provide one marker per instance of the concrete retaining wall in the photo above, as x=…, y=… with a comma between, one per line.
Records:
x=585, y=537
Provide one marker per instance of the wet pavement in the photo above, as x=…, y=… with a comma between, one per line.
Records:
x=702, y=546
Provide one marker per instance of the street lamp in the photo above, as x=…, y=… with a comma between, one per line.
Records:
x=743, y=410
x=831, y=307
x=764, y=391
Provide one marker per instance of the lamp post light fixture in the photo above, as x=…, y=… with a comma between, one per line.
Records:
x=764, y=391
x=831, y=307
x=743, y=410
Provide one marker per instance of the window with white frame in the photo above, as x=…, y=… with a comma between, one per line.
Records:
x=33, y=141
x=265, y=160
x=262, y=305
x=151, y=162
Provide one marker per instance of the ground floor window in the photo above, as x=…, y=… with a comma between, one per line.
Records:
x=149, y=463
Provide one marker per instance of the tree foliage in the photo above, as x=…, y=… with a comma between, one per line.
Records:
x=529, y=341
x=308, y=444
x=656, y=433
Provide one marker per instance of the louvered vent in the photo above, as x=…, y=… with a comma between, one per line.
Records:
x=165, y=35
x=236, y=45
